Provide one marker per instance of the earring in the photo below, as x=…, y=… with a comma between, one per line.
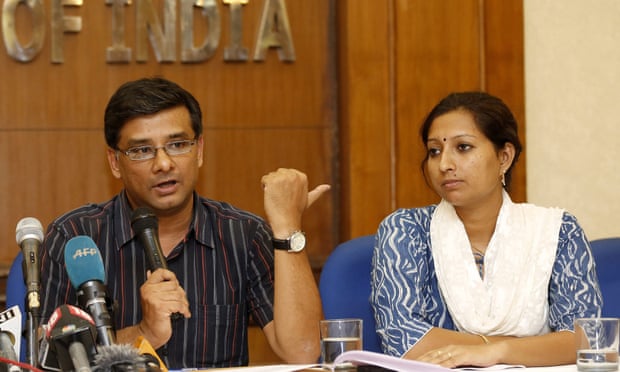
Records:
x=504, y=179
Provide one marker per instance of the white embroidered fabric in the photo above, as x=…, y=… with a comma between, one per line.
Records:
x=512, y=297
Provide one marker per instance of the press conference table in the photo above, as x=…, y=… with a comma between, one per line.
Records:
x=314, y=368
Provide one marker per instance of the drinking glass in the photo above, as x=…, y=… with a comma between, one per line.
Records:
x=597, y=344
x=338, y=336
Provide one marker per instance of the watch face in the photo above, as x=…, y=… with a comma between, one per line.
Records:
x=297, y=241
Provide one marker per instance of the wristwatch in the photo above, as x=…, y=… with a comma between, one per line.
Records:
x=295, y=243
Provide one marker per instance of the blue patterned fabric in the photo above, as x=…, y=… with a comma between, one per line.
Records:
x=405, y=293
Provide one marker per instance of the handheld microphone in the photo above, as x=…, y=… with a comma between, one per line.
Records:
x=87, y=275
x=70, y=340
x=29, y=235
x=10, y=336
x=144, y=223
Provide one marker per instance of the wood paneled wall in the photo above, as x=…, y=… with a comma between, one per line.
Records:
x=346, y=111
x=397, y=59
x=258, y=116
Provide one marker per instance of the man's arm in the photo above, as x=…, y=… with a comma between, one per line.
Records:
x=294, y=332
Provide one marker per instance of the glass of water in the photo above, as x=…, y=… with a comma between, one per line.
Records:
x=338, y=336
x=597, y=344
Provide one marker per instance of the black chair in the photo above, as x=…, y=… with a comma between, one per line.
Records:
x=607, y=257
x=345, y=286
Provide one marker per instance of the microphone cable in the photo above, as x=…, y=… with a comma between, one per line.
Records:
x=20, y=364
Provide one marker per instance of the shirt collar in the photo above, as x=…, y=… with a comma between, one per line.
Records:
x=201, y=218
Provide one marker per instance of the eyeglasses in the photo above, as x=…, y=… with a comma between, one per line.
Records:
x=148, y=152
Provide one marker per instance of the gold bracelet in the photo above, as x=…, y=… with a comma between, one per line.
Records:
x=485, y=339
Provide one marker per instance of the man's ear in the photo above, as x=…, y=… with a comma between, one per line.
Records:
x=200, y=148
x=113, y=162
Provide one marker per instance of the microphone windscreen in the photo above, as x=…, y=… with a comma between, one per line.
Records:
x=83, y=261
x=143, y=218
x=110, y=356
x=28, y=228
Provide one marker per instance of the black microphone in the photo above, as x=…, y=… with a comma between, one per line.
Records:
x=87, y=274
x=29, y=235
x=144, y=223
x=10, y=337
x=69, y=340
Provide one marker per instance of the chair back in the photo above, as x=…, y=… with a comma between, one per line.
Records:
x=345, y=286
x=607, y=257
x=16, y=295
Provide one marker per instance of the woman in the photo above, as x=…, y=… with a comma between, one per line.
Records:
x=477, y=279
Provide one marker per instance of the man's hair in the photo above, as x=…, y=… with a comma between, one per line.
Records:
x=145, y=97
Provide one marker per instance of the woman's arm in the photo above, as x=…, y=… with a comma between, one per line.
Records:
x=405, y=295
x=573, y=293
x=451, y=349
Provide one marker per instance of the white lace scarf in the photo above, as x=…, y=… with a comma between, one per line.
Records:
x=512, y=298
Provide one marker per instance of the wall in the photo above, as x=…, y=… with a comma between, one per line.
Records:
x=257, y=115
x=397, y=59
x=572, y=69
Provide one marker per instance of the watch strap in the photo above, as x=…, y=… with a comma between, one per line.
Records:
x=282, y=244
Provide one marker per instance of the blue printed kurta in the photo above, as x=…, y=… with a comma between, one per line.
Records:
x=405, y=293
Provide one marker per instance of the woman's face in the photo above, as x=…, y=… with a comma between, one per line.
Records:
x=463, y=166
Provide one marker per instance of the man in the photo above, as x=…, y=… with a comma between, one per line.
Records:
x=222, y=266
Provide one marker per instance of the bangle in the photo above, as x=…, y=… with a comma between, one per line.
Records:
x=485, y=339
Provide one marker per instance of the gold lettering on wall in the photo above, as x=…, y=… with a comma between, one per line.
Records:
x=211, y=15
x=235, y=51
x=163, y=39
x=118, y=52
x=61, y=24
x=273, y=32
x=11, y=42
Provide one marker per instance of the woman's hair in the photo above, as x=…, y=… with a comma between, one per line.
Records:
x=145, y=97
x=491, y=115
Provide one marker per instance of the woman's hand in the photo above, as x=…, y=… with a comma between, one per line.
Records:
x=452, y=356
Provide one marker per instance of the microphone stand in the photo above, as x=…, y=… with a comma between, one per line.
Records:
x=32, y=325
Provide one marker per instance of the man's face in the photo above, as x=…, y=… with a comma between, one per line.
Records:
x=165, y=182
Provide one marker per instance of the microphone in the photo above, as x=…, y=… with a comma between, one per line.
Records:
x=144, y=223
x=124, y=358
x=87, y=275
x=70, y=340
x=29, y=235
x=10, y=337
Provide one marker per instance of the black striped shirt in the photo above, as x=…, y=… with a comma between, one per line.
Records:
x=225, y=265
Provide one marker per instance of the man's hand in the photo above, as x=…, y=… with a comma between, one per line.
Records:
x=161, y=296
x=286, y=197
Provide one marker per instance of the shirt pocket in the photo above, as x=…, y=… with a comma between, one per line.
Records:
x=218, y=334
